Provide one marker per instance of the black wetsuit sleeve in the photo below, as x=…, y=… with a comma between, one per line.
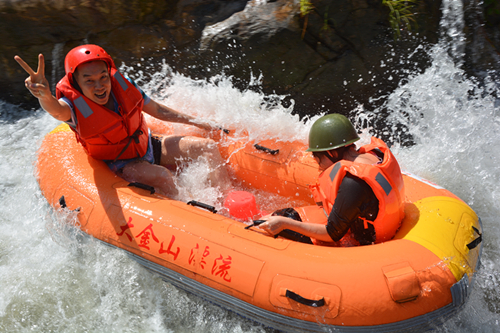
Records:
x=352, y=196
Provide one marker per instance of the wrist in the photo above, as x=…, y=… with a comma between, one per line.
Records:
x=47, y=99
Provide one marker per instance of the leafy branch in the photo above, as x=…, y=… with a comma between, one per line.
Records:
x=401, y=15
x=305, y=8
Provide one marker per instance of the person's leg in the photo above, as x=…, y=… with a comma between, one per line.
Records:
x=190, y=148
x=153, y=175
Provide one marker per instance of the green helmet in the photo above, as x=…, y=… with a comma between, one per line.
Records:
x=331, y=132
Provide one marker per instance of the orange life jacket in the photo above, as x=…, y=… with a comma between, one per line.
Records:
x=105, y=134
x=385, y=179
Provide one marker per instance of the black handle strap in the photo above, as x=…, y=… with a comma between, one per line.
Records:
x=202, y=205
x=267, y=150
x=224, y=130
x=151, y=189
x=309, y=302
x=254, y=223
x=476, y=241
x=62, y=203
x=258, y=222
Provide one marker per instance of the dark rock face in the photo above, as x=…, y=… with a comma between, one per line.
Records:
x=30, y=27
x=328, y=61
x=482, y=30
x=128, y=29
x=491, y=12
x=341, y=54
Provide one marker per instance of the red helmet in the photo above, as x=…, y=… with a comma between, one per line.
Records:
x=85, y=53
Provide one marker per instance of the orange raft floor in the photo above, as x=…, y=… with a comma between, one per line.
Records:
x=411, y=283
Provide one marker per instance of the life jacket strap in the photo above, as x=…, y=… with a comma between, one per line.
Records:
x=134, y=137
x=365, y=222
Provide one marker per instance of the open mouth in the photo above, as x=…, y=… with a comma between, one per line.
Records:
x=101, y=96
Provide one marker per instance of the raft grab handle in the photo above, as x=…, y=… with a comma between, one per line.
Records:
x=257, y=222
x=302, y=300
x=62, y=203
x=476, y=241
x=202, y=205
x=151, y=189
x=223, y=130
x=267, y=150
x=254, y=223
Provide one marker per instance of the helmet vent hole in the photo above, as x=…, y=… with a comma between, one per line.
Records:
x=87, y=52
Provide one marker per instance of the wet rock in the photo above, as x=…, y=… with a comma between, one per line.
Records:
x=130, y=30
x=482, y=31
x=341, y=54
x=330, y=60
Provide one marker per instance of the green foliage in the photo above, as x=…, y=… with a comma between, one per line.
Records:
x=401, y=15
x=325, y=20
x=305, y=7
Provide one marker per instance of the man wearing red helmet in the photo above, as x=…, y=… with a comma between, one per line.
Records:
x=104, y=109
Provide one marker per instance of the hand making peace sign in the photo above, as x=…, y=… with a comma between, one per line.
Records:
x=36, y=83
x=38, y=86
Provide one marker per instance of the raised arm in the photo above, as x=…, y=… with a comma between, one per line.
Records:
x=38, y=86
x=165, y=113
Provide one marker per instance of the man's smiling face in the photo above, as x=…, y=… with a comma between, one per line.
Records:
x=93, y=78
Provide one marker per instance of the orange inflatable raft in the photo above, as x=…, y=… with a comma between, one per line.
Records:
x=411, y=283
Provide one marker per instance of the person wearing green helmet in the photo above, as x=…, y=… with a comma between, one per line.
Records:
x=359, y=193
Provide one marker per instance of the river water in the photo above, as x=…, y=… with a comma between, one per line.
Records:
x=54, y=279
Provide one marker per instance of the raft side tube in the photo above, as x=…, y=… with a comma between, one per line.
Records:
x=287, y=172
x=444, y=225
x=460, y=292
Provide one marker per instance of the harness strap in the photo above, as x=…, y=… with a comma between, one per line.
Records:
x=134, y=137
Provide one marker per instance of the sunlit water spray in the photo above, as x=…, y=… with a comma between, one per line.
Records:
x=247, y=114
x=454, y=124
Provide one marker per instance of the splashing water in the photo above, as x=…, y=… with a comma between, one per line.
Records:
x=454, y=122
x=246, y=113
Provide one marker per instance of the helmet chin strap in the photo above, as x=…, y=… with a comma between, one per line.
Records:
x=331, y=158
x=341, y=152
